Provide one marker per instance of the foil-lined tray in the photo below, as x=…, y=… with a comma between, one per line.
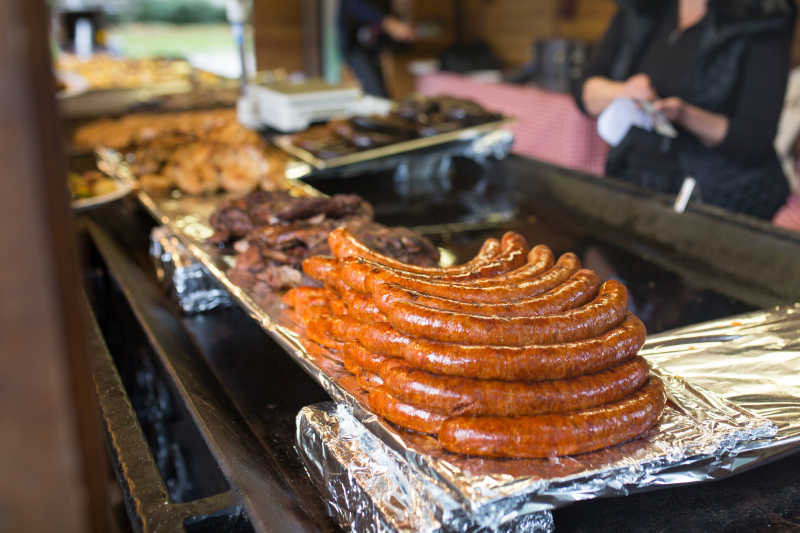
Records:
x=369, y=487
x=186, y=280
x=468, y=133
x=700, y=432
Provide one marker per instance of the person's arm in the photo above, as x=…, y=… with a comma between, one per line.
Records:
x=598, y=92
x=748, y=134
x=711, y=128
x=596, y=71
x=361, y=12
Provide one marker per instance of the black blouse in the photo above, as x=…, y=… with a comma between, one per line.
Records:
x=755, y=104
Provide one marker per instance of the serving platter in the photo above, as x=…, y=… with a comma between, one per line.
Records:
x=405, y=147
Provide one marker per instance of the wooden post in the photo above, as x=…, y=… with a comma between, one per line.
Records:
x=51, y=455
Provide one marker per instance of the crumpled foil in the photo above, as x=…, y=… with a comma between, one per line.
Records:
x=185, y=279
x=370, y=487
x=727, y=411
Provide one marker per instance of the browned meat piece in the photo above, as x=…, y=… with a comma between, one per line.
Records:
x=390, y=124
x=337, y=206
x=231, y=220
x=399, y=243
x=278, y=231
x=363, y=140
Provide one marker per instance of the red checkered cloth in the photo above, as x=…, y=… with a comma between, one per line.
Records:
x=549, y=126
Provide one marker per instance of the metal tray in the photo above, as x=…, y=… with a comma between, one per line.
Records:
x=285, y=142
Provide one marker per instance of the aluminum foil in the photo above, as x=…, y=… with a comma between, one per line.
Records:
x=707, y=432
x=186, y=279
x=370, y=487
x=751, y=361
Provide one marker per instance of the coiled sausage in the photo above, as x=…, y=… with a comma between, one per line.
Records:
x=453, y=396
x=533, y=362
x=556, y=434
x=595, y=318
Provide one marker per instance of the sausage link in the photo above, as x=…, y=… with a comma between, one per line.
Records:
x=300, y=296
x=318, y=330
x=314, y=302
x=595, y=318
x=320, y=267
x=318, y=351
x=402, y=414
x=556, y=434
x=356, y=355
x=498, y=291
x=368, y=380
x=360, y=306
x=576, y=291
x=533, y=362
x=454, y=396
x=313, y=309
x=356, y=271
x=344, y=244
x=350, y=362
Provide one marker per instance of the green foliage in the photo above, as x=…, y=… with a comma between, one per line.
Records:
x=177, y=11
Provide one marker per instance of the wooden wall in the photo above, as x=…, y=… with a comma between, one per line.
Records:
x=509, y=26
x=278, y=34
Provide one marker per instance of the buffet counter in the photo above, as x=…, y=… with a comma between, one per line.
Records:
x=216, y=398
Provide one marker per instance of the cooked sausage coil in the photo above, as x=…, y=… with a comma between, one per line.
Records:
x=508, y=355
x=532, y=362
x=344, y=244
x=556, y=434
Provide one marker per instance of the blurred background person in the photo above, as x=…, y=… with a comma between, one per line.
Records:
x=364, y=27
x=717, y=69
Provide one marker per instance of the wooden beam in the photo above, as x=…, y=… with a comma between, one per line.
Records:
x=51, y=454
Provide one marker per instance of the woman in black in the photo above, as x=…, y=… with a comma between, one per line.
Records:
x=718, y=70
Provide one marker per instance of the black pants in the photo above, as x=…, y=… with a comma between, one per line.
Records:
x=366, y=66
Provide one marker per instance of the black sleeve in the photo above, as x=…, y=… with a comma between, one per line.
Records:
x=360, y=12
x=602, y=59
x=753, y=122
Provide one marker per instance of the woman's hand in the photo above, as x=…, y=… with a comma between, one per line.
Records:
x=638, y=87
x=711, y=128
x=397, y=29
x=673, y=108
x=598, y=92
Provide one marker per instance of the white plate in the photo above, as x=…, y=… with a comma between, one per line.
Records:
x=122, y=190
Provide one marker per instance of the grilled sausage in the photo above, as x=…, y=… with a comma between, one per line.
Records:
x=344, y=244
x=300, y=296
x=403, y=414
x=318, y=351
x=574, y=292
x=454, y=396
x=360, y=306
x=532, y=362
x=355, y=271
x=318, y=330
x=362, y=277
x=356, y=355
x=320, y=267
x=368, y=380
x=595, y=318
x=556, y=434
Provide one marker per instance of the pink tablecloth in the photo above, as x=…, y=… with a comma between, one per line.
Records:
x=549, y=126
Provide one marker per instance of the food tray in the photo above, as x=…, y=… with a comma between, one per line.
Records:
x=465, y=134
x=697, y=431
